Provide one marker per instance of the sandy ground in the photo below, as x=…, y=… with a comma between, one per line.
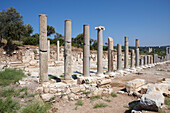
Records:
x=117, y=104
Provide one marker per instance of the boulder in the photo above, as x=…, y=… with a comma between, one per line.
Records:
x=103, y=82
x=134, y=85
x=151, y=101
x=47, y=97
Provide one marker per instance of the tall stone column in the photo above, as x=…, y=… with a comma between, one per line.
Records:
x=110, y=55
x=141, y=61
x=43, y=48
x=151, y=59
x=119, y=57
x=58, y=50
x=48, y=50
x=155, y=58
x=132, y=59
x=137, y=52
x=86, y=51
x=148, y=59
x=99, y=50
x=145, y=60
x=126, y=55
x=67, y=51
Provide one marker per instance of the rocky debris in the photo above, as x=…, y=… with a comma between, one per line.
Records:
x=47, y=97
x=151, y=101
x=134, y=85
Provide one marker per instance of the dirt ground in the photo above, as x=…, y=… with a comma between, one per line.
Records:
x=118, y=104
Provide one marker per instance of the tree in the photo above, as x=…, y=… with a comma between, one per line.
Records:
x=28, y=30
x=78, y=41
x=50, y=30
x=11, y=25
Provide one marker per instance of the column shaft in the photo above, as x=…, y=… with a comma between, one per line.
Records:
x=126, y=54
x=119, y=57
x=86, y=51
x=67, y=51
x=110, y=55
x=43, y=47
x=132, y=59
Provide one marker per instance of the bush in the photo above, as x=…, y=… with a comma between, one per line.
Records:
x=37, y=107
x=31, y=41
x=100, y=105
x=10, y=75
x=8, y=105
x=114, y=94
x=79, y=102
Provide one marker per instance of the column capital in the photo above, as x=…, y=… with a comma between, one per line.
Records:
x=100, y=28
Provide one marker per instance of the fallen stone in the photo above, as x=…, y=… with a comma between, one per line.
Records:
x=134, y=85
x=152, y=101
x=47, y=97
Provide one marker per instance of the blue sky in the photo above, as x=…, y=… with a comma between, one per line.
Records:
x=147, y=20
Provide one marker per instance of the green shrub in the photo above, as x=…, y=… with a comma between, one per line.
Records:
x=114, y=94
x=31, y=41
x=8, y=105
x=100, y=105
x=107, y=100
x=95, y=97
x=10, y=75
x=79, y=103
x=37, y=107
x=7, y=93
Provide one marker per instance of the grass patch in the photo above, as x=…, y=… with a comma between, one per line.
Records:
x=79, y=103
x=167, y=102
x=86, y=92
x=62, y=76
x=7, y=93
x=100, y=105
x=10, y=75
x=107, y=100
x=8, y=105
x=95, y=97
x=114, y=94
x=37, y=107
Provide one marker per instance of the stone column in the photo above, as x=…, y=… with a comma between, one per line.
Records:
x=99, y=50
x=148, y=59
x=110, y=55
x=86, y=51
x=132, y=59
x=43, y=48
x=58, y=50
x=119, y=57
x=67, y=51
x=48, y=50
x=167, y=53
x=141, y=61
x=126, y=55
x=145, y=60
x=151, y=59
x=137, y=52
x=155, y=58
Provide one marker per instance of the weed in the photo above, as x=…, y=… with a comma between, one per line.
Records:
x=86, y=92
x=95, y=97
x=79, y=103
x=107, y=100
x=37, y=107
x=76, y=108
x=100, y=105
x=10, y=75
x=8, y=92
x=114, y=94
x=8, y=105
x=62, y=76
x=163, y=79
